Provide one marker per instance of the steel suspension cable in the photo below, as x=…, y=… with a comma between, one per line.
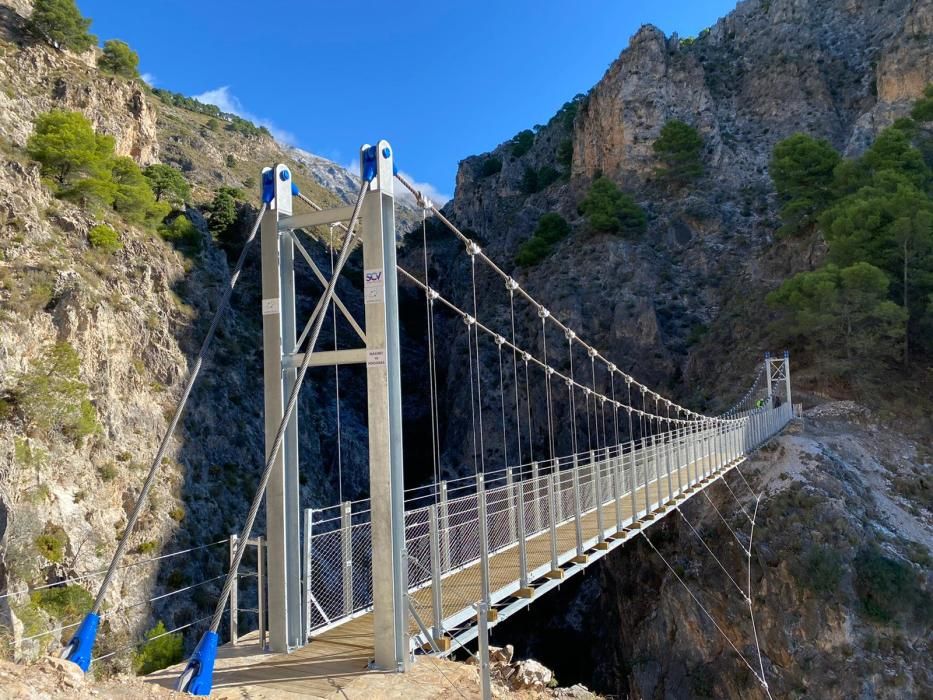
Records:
x=186, y=393
x=518, y=424
x=703, y=608
x=479, y=385
x=432, y=376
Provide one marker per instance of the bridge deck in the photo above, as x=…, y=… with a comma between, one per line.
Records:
x=327, y=665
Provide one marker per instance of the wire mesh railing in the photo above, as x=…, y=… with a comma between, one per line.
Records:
x=564, y=505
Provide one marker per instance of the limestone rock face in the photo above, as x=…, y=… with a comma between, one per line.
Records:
x=40, y=80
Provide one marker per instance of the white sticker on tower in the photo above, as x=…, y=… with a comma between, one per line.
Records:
x=375, y=358
x=270, y=306
x=373, y=286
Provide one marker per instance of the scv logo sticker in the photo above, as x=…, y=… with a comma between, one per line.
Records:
x=374, y=276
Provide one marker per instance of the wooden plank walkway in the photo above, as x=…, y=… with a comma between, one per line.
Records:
x=332, y=660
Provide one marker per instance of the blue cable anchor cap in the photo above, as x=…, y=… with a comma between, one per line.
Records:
x=369, y=163
x=201, y=664
x=268, y=186
x=81, y=646
x=295, y=190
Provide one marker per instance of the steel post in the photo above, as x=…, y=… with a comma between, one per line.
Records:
x=384, y=391
x=577, y=507
x=234, y=607
x=483, y=536
x=346, y=549
x=437, y=606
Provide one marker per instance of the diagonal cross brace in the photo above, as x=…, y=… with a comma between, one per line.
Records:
x=324, y=281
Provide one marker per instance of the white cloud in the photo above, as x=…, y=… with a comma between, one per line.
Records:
x=149, y=79
x=437, y=198
x=226, y=101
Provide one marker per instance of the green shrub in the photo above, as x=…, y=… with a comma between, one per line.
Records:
x=52, y=543
x=889, y=588
x=177, y=514
x=161, y=649
x=522, y=142
x=63, y=602
x=230, y=160
x=609, y=210
x=60, y=23
x=147, y=547
x=490, y=166
x=105, y=238
x=182, y=233
x=551, y=229
x=679, y=147
x=821, y=569
x=53, y=398
x=108, y=471
x=119, y=58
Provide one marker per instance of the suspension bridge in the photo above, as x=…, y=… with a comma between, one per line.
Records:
x=413, y=572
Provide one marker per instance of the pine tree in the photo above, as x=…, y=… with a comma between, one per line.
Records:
x=119, y=58
x=60, y=23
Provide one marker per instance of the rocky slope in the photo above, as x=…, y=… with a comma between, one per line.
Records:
x=135, y=320
x=838, y=489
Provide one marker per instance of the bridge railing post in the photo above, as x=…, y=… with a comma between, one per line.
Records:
x=437, y=605
x=617, y=476
x=234, y=607
x=483, y=536
x=308, y=572
x=444, y=527
x=681, y=457
x=656, y=441
x=261, y=588
x=552, y=512
x=668, y=437
x=346, y=554
x=512, y=505
x=577, y=506
x=689, y=454
x=646, y=469
x=632, y=481
x=597, y=471
x=561, y=477
x=536, y=506
x=522, y=545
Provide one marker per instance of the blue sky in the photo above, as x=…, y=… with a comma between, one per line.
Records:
x=440, y=80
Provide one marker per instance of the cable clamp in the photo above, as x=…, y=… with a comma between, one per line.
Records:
x=569, y=335
x=612, y=368
x=586, y=390
x=500, y=340
x=472, y=249
x=592, y=353
x=602, y=399
x=432, y=295
x=569, y=383
x=550, y=371
x=511, y=284
x=543, y=313
x=469, y=320
x=525, y=357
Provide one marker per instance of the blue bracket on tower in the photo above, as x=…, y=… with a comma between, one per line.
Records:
x=268, y=186
x=81, y=646
x=369, y=163
x=201, y=664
